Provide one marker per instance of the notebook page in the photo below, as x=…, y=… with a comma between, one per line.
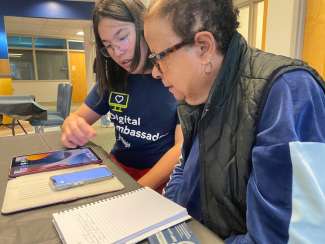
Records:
x=137, y=214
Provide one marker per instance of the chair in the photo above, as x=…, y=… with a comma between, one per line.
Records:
x=56, y=118
x=21, y=108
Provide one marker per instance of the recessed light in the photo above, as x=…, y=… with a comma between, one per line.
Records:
x=80, y=33
x=15, y=55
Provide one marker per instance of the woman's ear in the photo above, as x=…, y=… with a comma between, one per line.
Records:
x=206, y=44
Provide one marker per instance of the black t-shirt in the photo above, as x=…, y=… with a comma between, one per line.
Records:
x=145, y=118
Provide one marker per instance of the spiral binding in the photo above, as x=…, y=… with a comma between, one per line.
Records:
x=101, y=201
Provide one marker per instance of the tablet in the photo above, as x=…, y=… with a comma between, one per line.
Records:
x=53, y=160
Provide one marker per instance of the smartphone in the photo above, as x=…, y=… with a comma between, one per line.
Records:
x=47, y=161
x=69, y=180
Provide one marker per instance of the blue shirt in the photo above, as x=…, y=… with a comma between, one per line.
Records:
x=184, y=187
x=292, y=123
x=144, y=116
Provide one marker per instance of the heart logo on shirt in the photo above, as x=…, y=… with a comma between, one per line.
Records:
x=119, y=98
x=118, y=101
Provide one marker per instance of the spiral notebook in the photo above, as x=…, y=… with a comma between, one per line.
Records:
x=126, y=218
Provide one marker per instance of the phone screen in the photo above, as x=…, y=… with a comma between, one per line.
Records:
x=68, y=180
x=47, y=161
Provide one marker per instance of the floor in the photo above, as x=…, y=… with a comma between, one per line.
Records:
x=5, y=130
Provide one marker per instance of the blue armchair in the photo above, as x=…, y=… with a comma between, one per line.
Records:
x=56, y=118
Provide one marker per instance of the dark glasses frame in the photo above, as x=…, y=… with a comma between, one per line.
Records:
x=103, y=51
x=154, y=58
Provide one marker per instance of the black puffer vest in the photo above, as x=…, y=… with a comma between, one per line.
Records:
x=226, y=128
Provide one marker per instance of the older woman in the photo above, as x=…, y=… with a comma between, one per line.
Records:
x=242, y=108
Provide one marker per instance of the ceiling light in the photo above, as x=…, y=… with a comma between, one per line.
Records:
x=80, y=33
x=15, y=55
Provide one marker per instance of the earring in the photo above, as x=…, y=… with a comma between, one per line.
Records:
x=208, y=68
x=106, y=69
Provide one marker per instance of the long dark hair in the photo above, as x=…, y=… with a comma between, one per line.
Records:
x=108, y=73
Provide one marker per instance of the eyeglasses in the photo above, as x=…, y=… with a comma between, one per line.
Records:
x=156, y=57
x=104, y=52
x=120, y=45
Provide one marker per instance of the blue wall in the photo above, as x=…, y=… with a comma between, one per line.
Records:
x=3, y=41
x=41, y=9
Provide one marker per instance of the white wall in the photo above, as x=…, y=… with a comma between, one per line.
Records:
x=243, y=19
x=284, y=30
x=90, y=54
x=44, y=91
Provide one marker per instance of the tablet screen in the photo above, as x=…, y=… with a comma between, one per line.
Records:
x=33, y=163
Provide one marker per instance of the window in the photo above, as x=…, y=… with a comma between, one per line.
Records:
x=52, y=65
x=19, y=41
x=38, y=58
x=50, y=43
x=75, y=45
x=251, y=18
x=21, y=64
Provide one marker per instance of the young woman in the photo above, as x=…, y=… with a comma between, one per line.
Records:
x=148, y=137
